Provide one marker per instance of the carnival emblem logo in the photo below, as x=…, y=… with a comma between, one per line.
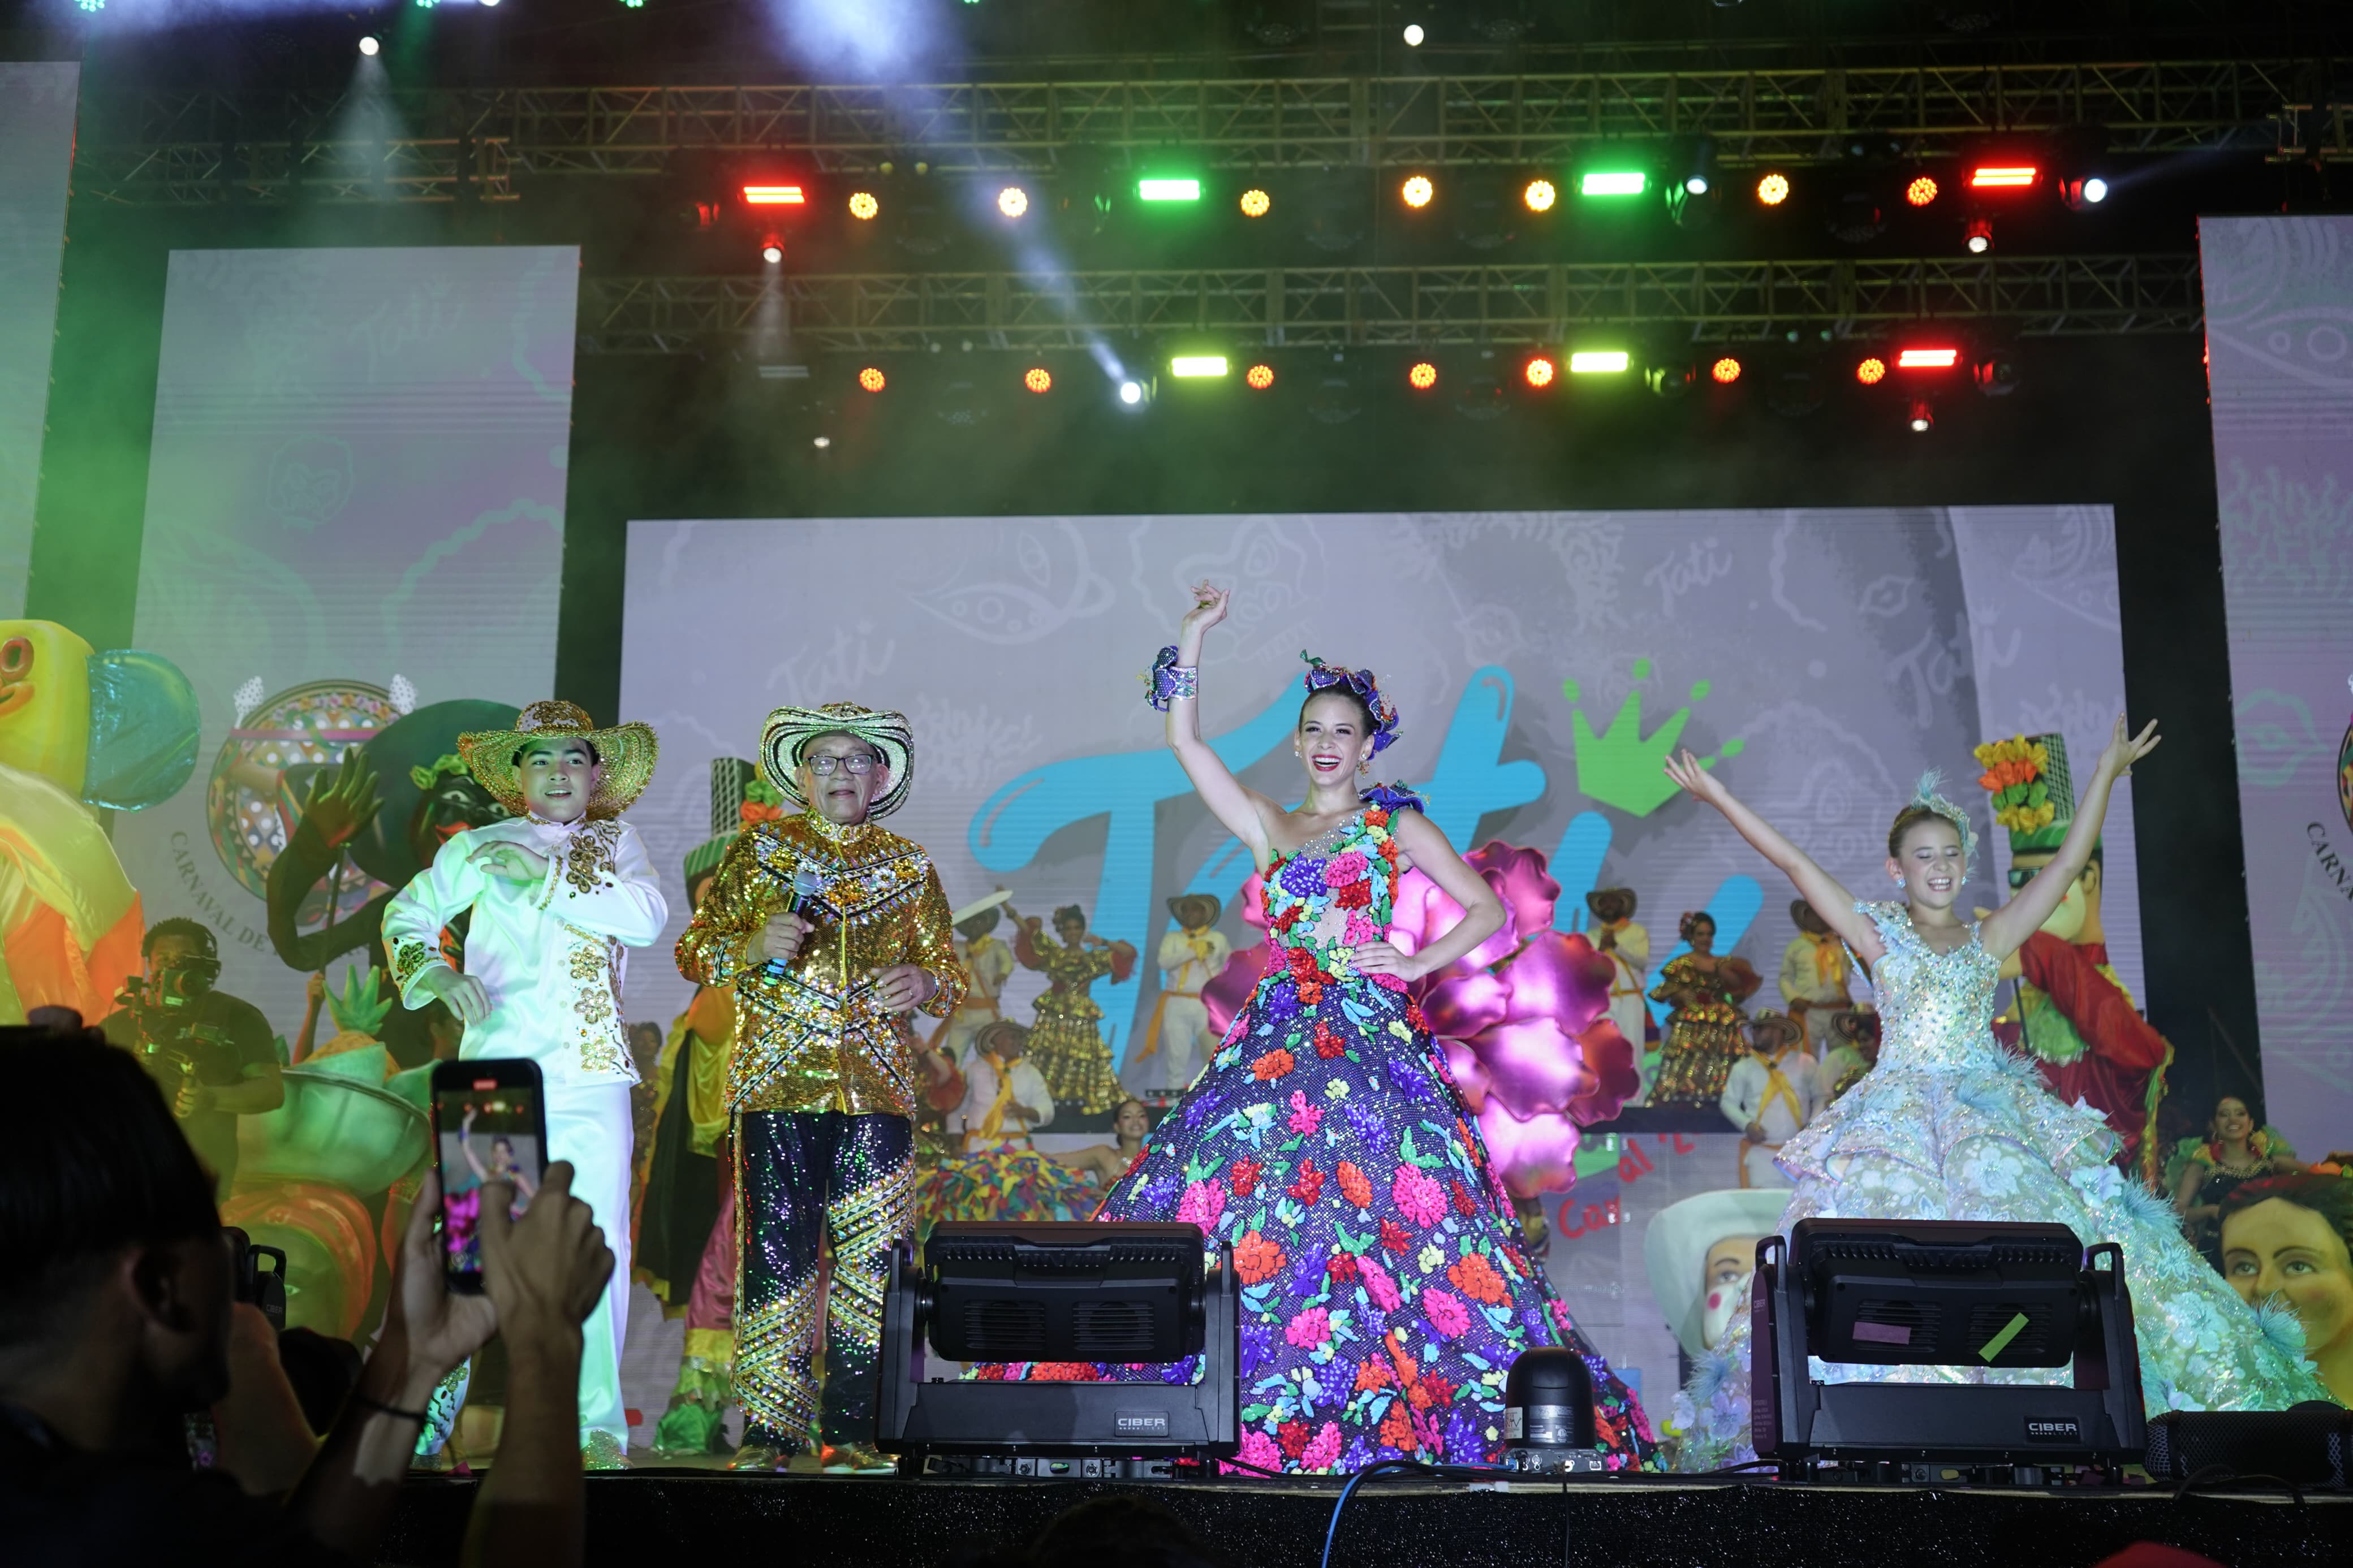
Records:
x=2345, y=774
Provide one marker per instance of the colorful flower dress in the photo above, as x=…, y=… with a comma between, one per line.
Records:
x=1066, y=1042
x=1950, y=1125
x=1706, y=1033
x=1385, y=1293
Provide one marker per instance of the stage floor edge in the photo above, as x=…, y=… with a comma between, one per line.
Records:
x=654, y=1519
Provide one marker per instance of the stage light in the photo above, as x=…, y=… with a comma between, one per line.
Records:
x=1871, y=371
x=1725, y=371
x=1131, y=393
x=775, y=195
x=870, y=379
x=369, y=46
x=1979, y=235
x=1416, y=191
x=1259, y=377
x=1613, y=183
x=1540, y=372
x=1539, y=196
x=1256, y=203
x=1695, y=185
x=1773, y=190
x=1598, y=362
x=1422, y=376
x=772, y=253
x=1927, y=359
x=862, y=205
x=1168, y=190
x=821, y=442
x=1197, y=366
x=1038, y=378
x=1414, y=35
x=1671, y=380
x=1921, y=418
x=2003, y=176
x=2095, y=190
x=1921, y=190
x=2087, y=191
x=1013, y=201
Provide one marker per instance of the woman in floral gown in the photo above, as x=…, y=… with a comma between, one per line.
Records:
x=1384, y=1291
x=1706, y=1032
x=1950, y=1126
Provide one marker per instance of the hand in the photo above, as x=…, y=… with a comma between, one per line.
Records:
x=193, y=1097
x=544, y=1272
x=315, y=989
x=2124, y=749
x=468, y=998
x=1028, y=1113
x=1208, y=608
x=510, y=862
x=903, y=987
x=439, y=1327
x=783, y=936
x=1756, y=1131
x=1385, y=957
x=1696, y=780
x=343, y=803
x=1608, y=939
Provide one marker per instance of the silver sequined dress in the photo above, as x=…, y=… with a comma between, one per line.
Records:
x=1951, y=1126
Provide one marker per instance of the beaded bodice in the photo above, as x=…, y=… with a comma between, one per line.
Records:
x=1934, y=1007
x=1336, y=891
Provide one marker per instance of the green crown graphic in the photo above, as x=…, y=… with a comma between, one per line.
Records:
x=1623, y=767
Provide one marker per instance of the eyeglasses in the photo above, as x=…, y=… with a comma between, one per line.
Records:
x=859, y=763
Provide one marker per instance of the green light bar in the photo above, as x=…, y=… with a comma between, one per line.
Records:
x=1596, y=362
x=1201, y=364
x=1612, y=182
x=1168, y=191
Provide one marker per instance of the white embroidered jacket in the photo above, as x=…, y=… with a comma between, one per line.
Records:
x=550, y=953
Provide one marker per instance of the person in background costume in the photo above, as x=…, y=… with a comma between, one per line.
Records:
x=988, y=964
x=1066, y=1043
x=1699, y=1253
x=1952, y=1126
x=997, y=1175
x=2073, y=1015
x=1769, y=1094
x=1179, y=1038
x=1005, y=1100
x=2287, y=1238
x=2204, y=1172
x=1854, y=1051
x=1384, y=1287
x=830, y=930
x=1616, y=936
x=559, y=890
x=1131, y=1124
x=1704, y=1035
x=1814, y=976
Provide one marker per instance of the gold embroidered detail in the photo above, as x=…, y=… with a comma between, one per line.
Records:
x=864, y=1224
x=596, y=970
x=407, y=958
x=775, y=1355
x=589, y=863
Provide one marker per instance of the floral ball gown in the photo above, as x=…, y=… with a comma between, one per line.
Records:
x=1384, y=1292
x=1950, y=1125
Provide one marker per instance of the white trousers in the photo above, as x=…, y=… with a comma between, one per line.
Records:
x=590, y=1126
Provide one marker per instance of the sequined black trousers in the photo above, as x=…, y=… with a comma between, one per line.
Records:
x=806, y=1178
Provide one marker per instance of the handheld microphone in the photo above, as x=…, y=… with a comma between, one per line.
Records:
x=804, y=895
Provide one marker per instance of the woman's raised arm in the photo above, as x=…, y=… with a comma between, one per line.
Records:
x=1176, y=688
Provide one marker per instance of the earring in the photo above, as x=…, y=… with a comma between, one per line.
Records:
x=1899, y=881
x=1366, y=766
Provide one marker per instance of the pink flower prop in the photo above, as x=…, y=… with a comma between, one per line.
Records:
x=1308, y=1329
x=1305, y=1117
x=1445, y=1311
x=1342, y=869
x=1378, y=1283
x=1419, y=1198
x=1259, y=1450
x=1324, y=1449
x=1202, y=1204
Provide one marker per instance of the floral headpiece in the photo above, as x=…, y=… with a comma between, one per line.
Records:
x=1323, y=676
x=1924, y=793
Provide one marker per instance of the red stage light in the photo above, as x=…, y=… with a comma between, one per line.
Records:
x=2003, y=176
x=1541, y=371
x=1927, y=359
x=1258, y=377
x=1036, y=378
x=1726, y=371
x=775, y=195
x=1921, y=190
x=1422, y=376
x=870, y=379
x=1871, y=371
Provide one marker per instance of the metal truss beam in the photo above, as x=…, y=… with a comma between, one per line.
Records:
x=1324, y=308
x=204, y=146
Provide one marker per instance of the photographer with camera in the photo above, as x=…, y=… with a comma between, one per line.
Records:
x=212, y=1054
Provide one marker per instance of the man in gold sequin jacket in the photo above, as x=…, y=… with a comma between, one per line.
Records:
x=830, y=930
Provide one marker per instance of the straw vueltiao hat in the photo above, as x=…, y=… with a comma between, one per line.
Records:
x=1680, y=1237
x=625, y=751
x=788, y=729
x=1183, y=901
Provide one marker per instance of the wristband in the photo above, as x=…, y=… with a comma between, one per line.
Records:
x=1170, y=682
x=393, y=1410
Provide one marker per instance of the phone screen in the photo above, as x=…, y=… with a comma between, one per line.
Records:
x=487, y=1131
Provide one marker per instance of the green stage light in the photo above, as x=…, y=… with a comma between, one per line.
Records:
x=1597, y=361
x=1612, y=182
x=1197, y=365
x=1168, y=190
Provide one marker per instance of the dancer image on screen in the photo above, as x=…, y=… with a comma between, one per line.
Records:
x=1706, y=1032
x=1067, y=1044
x=1384, y=1290
x=830, y=930
x=558, y=892
x=1950, y=1126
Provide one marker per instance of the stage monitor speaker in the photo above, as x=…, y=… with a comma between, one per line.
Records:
x=1942, y=1293
x=2308, y=1445
x=1060, y=1292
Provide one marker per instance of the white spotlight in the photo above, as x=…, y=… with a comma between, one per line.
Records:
x=1414, y=35
x=369, y=46
x=1131, y=393
x=822, y=442
x=772, y=253
x=1696, y=185
x=490, y=2
x=2095, y=190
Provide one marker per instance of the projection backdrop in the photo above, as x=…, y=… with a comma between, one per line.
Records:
x=36, y=127
x=2279, y=322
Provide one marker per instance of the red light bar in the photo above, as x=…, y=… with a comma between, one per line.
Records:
x=775, y=195
x=2013, y=176
x=1927, y=359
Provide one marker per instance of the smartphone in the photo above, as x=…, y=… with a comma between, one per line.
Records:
x=490, y=1124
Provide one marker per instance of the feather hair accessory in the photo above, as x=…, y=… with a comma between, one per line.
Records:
x=1924, y=793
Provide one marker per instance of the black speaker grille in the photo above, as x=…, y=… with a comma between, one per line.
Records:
x=1989, y=1318
x=1112, y=1331
x=999, y=1329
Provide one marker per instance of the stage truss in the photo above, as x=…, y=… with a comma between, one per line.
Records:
x=1658, y=303
x=204, y=146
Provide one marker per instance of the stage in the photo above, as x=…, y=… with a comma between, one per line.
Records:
x=695, y=1516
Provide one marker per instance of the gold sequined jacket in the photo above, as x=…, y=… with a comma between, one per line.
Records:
x=809, y=1035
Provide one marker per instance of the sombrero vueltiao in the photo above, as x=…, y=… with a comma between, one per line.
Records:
x=1680, y=1237
x=1177, y=907
x=625, y=751
x=788, y=729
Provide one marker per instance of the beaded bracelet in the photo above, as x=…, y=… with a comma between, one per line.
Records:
x=1170, y=680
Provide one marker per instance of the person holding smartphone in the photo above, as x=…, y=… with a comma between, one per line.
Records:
x=558, y=891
